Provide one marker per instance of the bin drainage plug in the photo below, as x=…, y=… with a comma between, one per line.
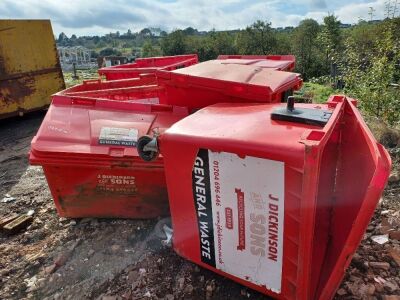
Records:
x=147, y=148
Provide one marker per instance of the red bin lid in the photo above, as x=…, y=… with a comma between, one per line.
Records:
x=218, y=75
x=97, y=130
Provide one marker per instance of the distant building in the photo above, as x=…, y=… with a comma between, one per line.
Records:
x=77, y=55
x=108, y=61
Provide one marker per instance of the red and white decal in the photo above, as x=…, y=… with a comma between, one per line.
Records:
x=120, y=184
x=247, y=199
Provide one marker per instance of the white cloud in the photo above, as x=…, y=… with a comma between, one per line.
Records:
x=352, y=12
x=320, y=4
x=102, y=16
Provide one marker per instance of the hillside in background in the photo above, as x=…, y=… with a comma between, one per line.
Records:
x=361, y=60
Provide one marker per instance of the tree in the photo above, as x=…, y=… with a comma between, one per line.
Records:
x=94, y=54
x=259, y=38
x=283, y=43
x=210, y=46
x=369, y=78
x=109, y=52
x=96, y=39
x=223, y=43
x=331, y=41
x=190, y=31
x=200, y=45
x=174, y=43
x=149, y=51
x=307, y=49
x=145, y=32
x=62, y=37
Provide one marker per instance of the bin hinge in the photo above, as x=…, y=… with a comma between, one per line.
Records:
x=147, y=146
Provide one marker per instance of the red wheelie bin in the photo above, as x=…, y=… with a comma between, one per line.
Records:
x=274, y=197
x=88, y=151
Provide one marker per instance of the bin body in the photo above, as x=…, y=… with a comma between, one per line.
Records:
x=87, y=149
x=211, y=82
x=276, y=62
x=148, y=66
x=255, y=199
x=29, y=75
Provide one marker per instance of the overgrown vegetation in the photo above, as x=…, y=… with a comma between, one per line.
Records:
x=315, y=92
x=371, y=69
x=360, y=60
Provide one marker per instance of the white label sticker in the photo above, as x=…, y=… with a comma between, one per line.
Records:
x=240, y=210
x=118, y=136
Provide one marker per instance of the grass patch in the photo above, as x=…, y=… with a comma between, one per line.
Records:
x=316, y=93
x=82, y=74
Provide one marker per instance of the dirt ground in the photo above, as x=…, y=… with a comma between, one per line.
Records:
x=57, y=258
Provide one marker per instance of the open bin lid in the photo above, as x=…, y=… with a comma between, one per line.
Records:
x=151, y=64
x=98, y=84
x=97, y=132
x=137, y=94
x=213, y=74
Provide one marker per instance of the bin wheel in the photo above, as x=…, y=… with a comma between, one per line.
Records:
x=145, y=155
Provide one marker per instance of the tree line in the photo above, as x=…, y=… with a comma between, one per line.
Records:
x=361, y=60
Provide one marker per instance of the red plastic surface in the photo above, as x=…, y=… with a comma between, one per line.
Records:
x=98, y=84
x=325, y=214
x=211, y=82
x=276, y=62
x=89, y=179
x=138, y=90
x=148, y=66
x=137, y=94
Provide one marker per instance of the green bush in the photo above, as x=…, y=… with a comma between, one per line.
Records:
x=316, y=93
x=370, y=77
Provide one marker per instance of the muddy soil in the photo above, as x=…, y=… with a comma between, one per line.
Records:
x=58, y=258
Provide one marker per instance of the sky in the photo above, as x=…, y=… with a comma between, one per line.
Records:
x=98, y=17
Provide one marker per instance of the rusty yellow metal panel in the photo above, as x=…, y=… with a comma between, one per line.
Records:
x=29, y=67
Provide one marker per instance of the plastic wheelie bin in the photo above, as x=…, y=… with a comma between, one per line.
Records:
x=87, y=149
x=274, y=197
